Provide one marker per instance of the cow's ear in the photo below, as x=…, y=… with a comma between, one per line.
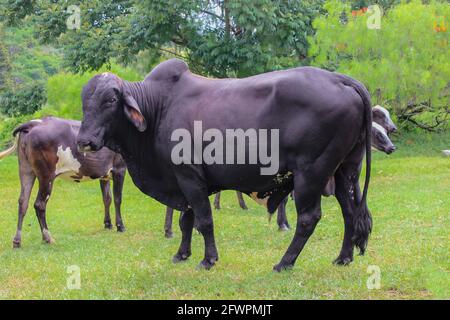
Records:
x=133, y=113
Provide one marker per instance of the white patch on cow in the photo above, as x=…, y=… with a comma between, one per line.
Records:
x=36, y=120
x=105, y=74
x=108, y=175
x=66, y=162
x=262, y=202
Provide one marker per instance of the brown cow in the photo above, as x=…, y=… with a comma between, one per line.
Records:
x=47, y=150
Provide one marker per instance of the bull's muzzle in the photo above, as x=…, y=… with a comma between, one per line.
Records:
x=86, y=146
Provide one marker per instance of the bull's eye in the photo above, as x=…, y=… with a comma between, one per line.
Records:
x=112, y=100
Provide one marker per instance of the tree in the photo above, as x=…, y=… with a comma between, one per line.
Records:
x=5, y=66
x=217, y=37
x=404, y=64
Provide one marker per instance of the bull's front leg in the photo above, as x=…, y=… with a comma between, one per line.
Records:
x=192, y=183
x=204, y=223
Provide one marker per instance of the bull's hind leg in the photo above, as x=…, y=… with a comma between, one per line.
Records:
x=241, y=200
x=40, y=205
x=107, y=199
x=348, y=195
x=217, y=201
x=118, y=179
x=186, y=226
x=27, y=178
x=168, y=223
x=307, y=190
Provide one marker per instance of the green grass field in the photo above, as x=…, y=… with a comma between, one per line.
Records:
x=409, y=199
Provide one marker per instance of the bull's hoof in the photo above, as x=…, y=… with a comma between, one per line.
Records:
x=121, y=228
x=46, y=237
x=16, y=244
x=206, y=264
x=168, y=234
x=244, y=208
x=342, y=261
x=282, y=266
x=108, y=225
x=217, y=207
x=49, y=240
x=180, y=257
x=283, y=227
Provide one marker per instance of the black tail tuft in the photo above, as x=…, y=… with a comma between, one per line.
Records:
x=362, y=224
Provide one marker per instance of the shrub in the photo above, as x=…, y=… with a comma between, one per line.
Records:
x=26, y=100
x=404, y=64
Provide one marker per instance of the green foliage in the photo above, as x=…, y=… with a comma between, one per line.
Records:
x=30, y=62
x=24, y=70
x=64, y=90
x=404, y=64
x=5, y=66
x=13, y=11
x=64, y=99
x=26, y=101
x=220, y=38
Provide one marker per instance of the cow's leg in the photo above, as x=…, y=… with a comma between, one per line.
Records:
x=204, y=222
x=348, y=195
x=197, y=196
x=168, y=223
x=118, y=179
x=186, y=226
x=241, y=200
x=217, y=201
x=27, y=178
x=40, y=205
x=107, y=198
x=307, y=201
x=283, y=224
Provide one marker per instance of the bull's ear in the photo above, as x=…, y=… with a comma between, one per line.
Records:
x=133, y=113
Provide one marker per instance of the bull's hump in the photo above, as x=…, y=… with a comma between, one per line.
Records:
x=170, y=69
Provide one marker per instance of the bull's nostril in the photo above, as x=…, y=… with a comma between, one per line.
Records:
x=84, y=146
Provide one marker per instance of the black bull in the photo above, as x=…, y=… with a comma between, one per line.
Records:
x=324, y=121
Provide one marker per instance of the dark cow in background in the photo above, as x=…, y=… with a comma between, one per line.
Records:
x=381, y=127
x=47, y=150
x=381, y=116
x=324, y=121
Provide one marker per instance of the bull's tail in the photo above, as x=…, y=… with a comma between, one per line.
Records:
x=23, y=128
x=7, y=152
x=362, y=219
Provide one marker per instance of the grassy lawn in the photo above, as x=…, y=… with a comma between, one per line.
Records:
x=409, y=199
